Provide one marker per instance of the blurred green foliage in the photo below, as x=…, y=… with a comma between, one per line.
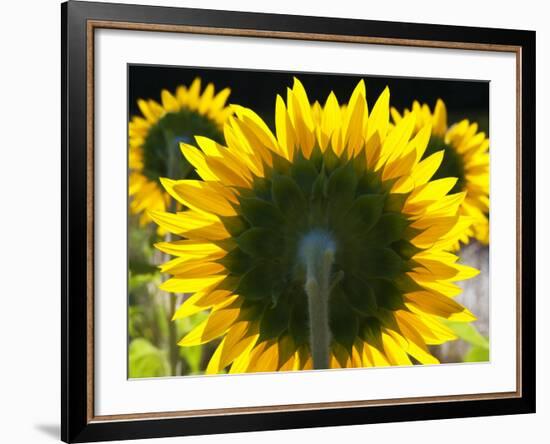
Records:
x=152, y=335
x=146, y=360
x=478, y=344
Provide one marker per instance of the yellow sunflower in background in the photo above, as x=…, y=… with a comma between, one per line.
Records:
x=155, y=136
x=466, y=157
x=324, y=246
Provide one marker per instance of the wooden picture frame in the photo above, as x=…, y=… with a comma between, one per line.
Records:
x=80, y=20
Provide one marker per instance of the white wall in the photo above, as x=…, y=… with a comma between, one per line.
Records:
x=30, y=206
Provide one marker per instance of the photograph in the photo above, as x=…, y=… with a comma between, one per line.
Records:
x=284, y=221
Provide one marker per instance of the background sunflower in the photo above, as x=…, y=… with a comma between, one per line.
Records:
x=155, y=134
x=466, y=157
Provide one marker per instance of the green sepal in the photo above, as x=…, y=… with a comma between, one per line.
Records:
x=236, y=261
x=304, y=174
x=407, y=284
x=341, y=187
x=343, y=321
x=365, y=211
x=261, y=213
x=259, y=242
x=388, y=229
x=382, y=263
x=286, y=351
x=235, y=225
x=288, y=197
x=359, y=295
x=405, y=249
x=387, y=295
x=261, y=188
x=369, y=183
x=256, y=282
x=371, y=332
x=387, y=319
x=299, y=320
x=395, y=202
x=330, y=160
x=275, y=320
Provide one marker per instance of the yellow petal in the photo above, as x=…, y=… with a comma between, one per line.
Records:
x=206, y=98
x=188, y=268
x=214, y=365
x=440, y=118
x=356, y=114
x=237, y=340
x=284, y=129
x=169, y=102
x=439, y=305
x=393, y=351
x=200, y=301
x=196, y=158
x=215, y=325
x=396, y=141
x=380, y=116
x=331, y=120
x=209, y=197
x=191, y=248
x=190, y=285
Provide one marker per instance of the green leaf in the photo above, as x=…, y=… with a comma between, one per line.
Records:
x=136, y=319
x=146, y=360
x=469, y=333
x=136, y=280
x=261, y=213
x=477, y=354
x=192, y=356
x=141, y=267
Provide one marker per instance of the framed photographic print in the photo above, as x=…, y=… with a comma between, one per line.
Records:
x=277, y=221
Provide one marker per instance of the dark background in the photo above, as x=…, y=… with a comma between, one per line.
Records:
x=258, y=89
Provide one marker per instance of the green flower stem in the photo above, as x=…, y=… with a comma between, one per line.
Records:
x=318, y=257
x=173, y=148
x=173, y=349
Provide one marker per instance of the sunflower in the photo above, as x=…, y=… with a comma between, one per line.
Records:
x=155, y=136
x=324, y=246
x=466, y=157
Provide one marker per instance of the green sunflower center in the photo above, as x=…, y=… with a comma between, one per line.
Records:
x=324, y=203
x=452, y=164
x=161, y=152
